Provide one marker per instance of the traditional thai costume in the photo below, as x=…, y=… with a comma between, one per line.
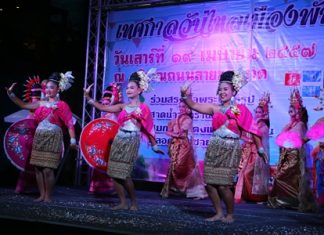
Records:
x=32, y=92
x=318, y=174
x=183, y=174
x=48, y=139
x=254, y=171
x=316, y=133
x=26, y=179
x=224, y=151
x=291, y=188
x=100, y=181
x=124, y=149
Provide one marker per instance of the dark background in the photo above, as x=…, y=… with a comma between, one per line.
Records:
x=38, y=37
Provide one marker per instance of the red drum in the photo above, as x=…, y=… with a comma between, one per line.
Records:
x=95, y=142
x=18, y=141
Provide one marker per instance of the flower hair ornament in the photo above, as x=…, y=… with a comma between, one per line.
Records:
x=33, y=89
x=296, y=100
x=234, y=109
x=147, y=78
x=66, y=81
x=239, y=79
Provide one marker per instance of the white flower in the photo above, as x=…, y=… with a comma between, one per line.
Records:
x=238, y=80
x=235, y=110
x=147, y=78
x=138, y=111
x=66, y=81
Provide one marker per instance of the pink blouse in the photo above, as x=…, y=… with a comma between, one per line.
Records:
x=143, y=116
x=61, y=114
x=236, y=122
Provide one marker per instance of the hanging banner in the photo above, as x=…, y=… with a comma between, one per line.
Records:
x=278, y=44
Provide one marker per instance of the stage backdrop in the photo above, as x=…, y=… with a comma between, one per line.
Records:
x=279, y=44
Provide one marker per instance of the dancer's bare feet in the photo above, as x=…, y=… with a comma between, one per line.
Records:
x=121, y=206
x=133, y=207
x=228, y=219
x=199, y=198
x=164, y=195
x=216, y=217
x=39, y=199
x=47, y=200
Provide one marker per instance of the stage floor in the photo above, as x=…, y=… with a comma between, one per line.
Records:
x=74, y=210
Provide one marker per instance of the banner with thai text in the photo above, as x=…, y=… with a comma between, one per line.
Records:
x=279, y=44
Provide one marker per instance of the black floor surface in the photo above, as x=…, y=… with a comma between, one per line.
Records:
x=74, y=210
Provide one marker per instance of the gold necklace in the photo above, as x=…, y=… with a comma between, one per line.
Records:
x=51, y=104
x=223, y=108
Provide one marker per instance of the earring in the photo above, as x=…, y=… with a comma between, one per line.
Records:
x=232, y=100
x=57, y=96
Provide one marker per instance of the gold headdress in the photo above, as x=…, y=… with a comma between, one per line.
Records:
x=296, y=100
x=264, y=102
x=33, y=89
x=113, y=93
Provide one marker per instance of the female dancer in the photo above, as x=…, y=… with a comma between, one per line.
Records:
x=291, y=187
x=224, y=151
x=100, y=181
x=318, y=172
x=316, y=133
x=254, y=172
x=134, y=118
x=183, y=174
x=33, y=93
x=51, y=116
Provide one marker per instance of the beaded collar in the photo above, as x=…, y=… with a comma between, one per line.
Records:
x=223, y=109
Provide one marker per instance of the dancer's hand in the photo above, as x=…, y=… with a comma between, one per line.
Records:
x=186, y=89
x=263, y=155
x=159, y=151
x=9, y=90
x=86, y=91
x=156, y=149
